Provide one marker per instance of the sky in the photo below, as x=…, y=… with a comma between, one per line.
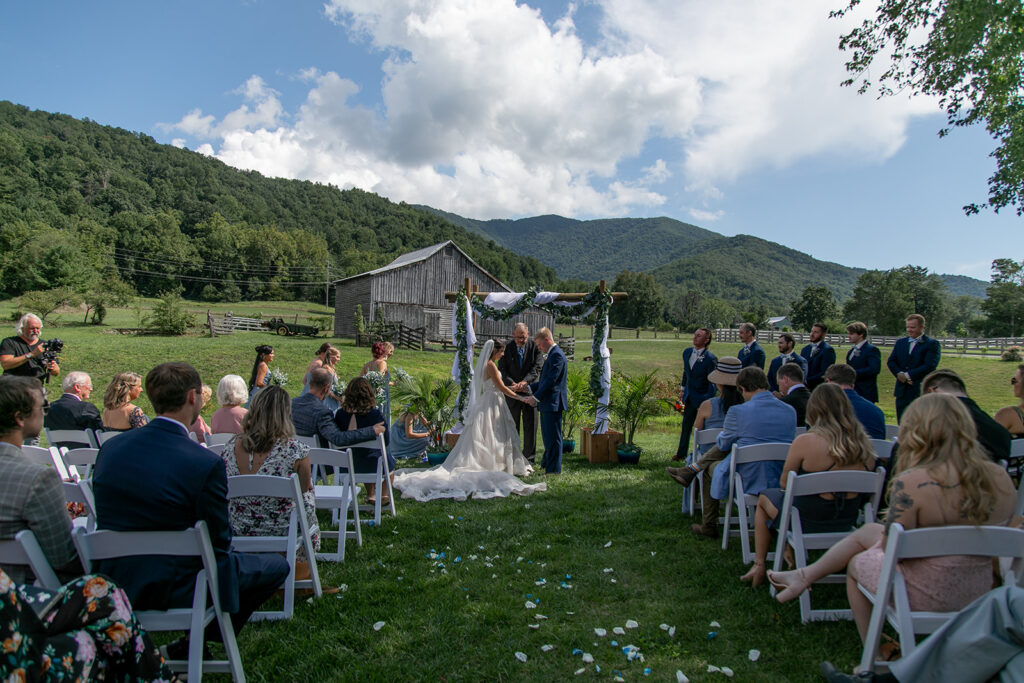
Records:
x=728, y=115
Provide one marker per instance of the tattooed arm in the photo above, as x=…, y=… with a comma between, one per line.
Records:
x=902, y=508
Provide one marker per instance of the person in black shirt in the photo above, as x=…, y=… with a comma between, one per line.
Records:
x=20, y=354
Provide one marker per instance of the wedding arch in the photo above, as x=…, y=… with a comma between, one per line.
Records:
x=504, y=305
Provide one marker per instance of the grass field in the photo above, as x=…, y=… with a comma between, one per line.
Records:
x=467, y=619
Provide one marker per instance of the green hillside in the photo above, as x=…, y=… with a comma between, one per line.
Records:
x=78, y=198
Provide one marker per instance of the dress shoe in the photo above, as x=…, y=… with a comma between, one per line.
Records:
x=834, y=675
x=684, y=475
x=701, y=531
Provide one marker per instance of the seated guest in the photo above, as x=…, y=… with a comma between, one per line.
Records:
x=31, y=496
x=868, y=414
x=84, y=632
x=266, y=446
x=71, y=410
x=1012, y=417
x=792, y=390
x=410, y=437
x=120, y=414
x=992, y=436
x=157, y=479
x=359, y=410
x=941, y=479
x=834, y=441
x=786, y=355
x=199, y=427
x=231, y=394
x=312, y=417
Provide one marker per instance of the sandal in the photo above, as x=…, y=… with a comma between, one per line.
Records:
x=788, y=591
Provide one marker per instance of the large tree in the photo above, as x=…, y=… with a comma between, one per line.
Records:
x=816, y=304
x=645, y=304
x=884, y=298
x=969, y=54
x=1005, y=302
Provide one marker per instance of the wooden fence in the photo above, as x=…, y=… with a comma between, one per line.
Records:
x=227, y=324
x=398, y=334
x=992, y=346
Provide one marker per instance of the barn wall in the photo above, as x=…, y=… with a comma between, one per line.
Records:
x=347, y=294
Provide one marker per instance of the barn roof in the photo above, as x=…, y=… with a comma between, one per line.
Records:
x=418, y=256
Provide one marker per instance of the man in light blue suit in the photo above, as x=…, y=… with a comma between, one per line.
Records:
x=786, y=355
x=913, y=357
x=698, y=362
x=751, y=353
x=819, y=354
x=551, y=397
x=865, y=358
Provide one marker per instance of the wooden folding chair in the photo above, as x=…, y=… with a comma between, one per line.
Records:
x=206, y=606
x=791, y=527
x=745, y=502
x=263, y=486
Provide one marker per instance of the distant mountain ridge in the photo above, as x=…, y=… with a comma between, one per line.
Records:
x=679, y=255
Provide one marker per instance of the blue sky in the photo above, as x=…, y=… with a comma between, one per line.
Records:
x=726, y=115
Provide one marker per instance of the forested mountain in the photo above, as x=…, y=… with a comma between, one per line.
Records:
x=79, y=200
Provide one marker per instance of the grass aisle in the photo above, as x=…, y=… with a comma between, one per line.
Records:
x=467, y=619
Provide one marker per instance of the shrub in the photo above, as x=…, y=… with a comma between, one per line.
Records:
x=169, y=316
x=322, y=322
x=44, y=302
x=1012, y=355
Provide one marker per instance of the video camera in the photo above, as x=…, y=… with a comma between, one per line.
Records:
x=51, y=349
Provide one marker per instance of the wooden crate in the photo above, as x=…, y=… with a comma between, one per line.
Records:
x=600, y=447
x=450, y=440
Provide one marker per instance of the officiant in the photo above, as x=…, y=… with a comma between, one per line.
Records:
x=519, y=367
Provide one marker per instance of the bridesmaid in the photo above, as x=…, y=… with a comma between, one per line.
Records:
x=317, y=362
x=331, y=358
x=381, y=352
x=260, y=369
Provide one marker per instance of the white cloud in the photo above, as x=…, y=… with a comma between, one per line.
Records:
x=178, y=142
x=705, y=216
x=489, y=111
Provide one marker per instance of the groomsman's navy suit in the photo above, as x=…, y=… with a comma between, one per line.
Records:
x=917, y=364
x=157, y=479
x=752, y=356
x=696, y=389
x=773, y=369
x=552, y=398
x=818, y=363
x=867, y=361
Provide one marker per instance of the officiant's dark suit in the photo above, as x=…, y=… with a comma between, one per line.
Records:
x=522, y=364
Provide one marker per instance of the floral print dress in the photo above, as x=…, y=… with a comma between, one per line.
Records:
x=84, y=632
x=269, y=516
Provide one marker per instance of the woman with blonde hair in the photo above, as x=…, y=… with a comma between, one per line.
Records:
x=317, y=362
x=267, y=445
x=835, y=440
x=1012, y=417
x=942, y=479
x=199, y=427
x=119, y=413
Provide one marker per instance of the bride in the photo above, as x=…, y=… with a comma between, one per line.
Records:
x=487, y=459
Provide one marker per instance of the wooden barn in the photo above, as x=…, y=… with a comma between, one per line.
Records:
x=411, y=290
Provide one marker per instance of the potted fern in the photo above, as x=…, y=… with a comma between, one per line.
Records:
x=434, y=399
x=632, y=406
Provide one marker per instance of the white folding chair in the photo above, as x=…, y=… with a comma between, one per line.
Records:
x=745, y=502
x=890, y=602
x=81, y=492
x=81, y=461
x=691, y=493
x=218, y=439
x=194, y=542
x=380, y=478
x=883, y=448
x=308, y=440
x=798, y=431
x=258, y=485
x=1019, y=510
x=60, y=464
x=104, y=436
x=24, y=550
x=217, y=448
x=791, y=527
x=85, y=438
x=339, y=498
x=39, y=455
x=1013, y=466
x=892, y=431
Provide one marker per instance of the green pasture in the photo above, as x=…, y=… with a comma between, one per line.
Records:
x=467, y=619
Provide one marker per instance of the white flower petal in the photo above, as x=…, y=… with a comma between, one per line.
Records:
x=533, y=626
x=631, y=624
x=619, y=631
x=530, y=604
x=608, y=570
x=663, y=627
x=539, y=616
x=601, y=633
x=521, y=656
x=681, y=677
x=754, y=655
x=712, y=669
x=547, y=648
x=579, y=671
x=588, y=658
x=727, y=671
x=608, y=544
x=378, y=626
x=715, y=624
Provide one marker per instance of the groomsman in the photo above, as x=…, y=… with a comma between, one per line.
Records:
x=786, y=355
x=866, y=359
x=819, y=355
x=913, y=357
x=696, y=388
x=520, y=367
x=751, y=353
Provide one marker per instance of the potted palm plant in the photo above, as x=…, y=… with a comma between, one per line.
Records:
x=434, y=399
x=580, y=407
x=632, y=406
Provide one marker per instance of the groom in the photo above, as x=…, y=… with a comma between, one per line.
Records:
x=551, y=398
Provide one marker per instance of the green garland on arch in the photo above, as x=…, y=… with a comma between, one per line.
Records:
x=462, y=348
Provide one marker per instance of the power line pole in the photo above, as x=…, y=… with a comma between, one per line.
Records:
x=327, y=283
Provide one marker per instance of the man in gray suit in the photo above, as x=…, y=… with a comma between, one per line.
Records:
x=31, y=496
x=312, y=418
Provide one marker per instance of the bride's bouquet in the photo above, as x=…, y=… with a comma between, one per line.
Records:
x=276, y=378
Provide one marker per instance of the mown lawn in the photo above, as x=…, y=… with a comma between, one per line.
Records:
x=467, y=619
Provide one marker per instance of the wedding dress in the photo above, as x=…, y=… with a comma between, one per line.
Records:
x=487, y=459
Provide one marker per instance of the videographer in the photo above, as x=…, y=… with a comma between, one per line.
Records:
x=21, y=354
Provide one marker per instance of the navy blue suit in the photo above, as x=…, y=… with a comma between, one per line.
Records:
x=773, y=369
x=155, y=478
x=753, y=356
x=552, y=398
x=868, y=414
x=818, y=363
x=868, y=363
x=917, y=364
x=696, y=389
